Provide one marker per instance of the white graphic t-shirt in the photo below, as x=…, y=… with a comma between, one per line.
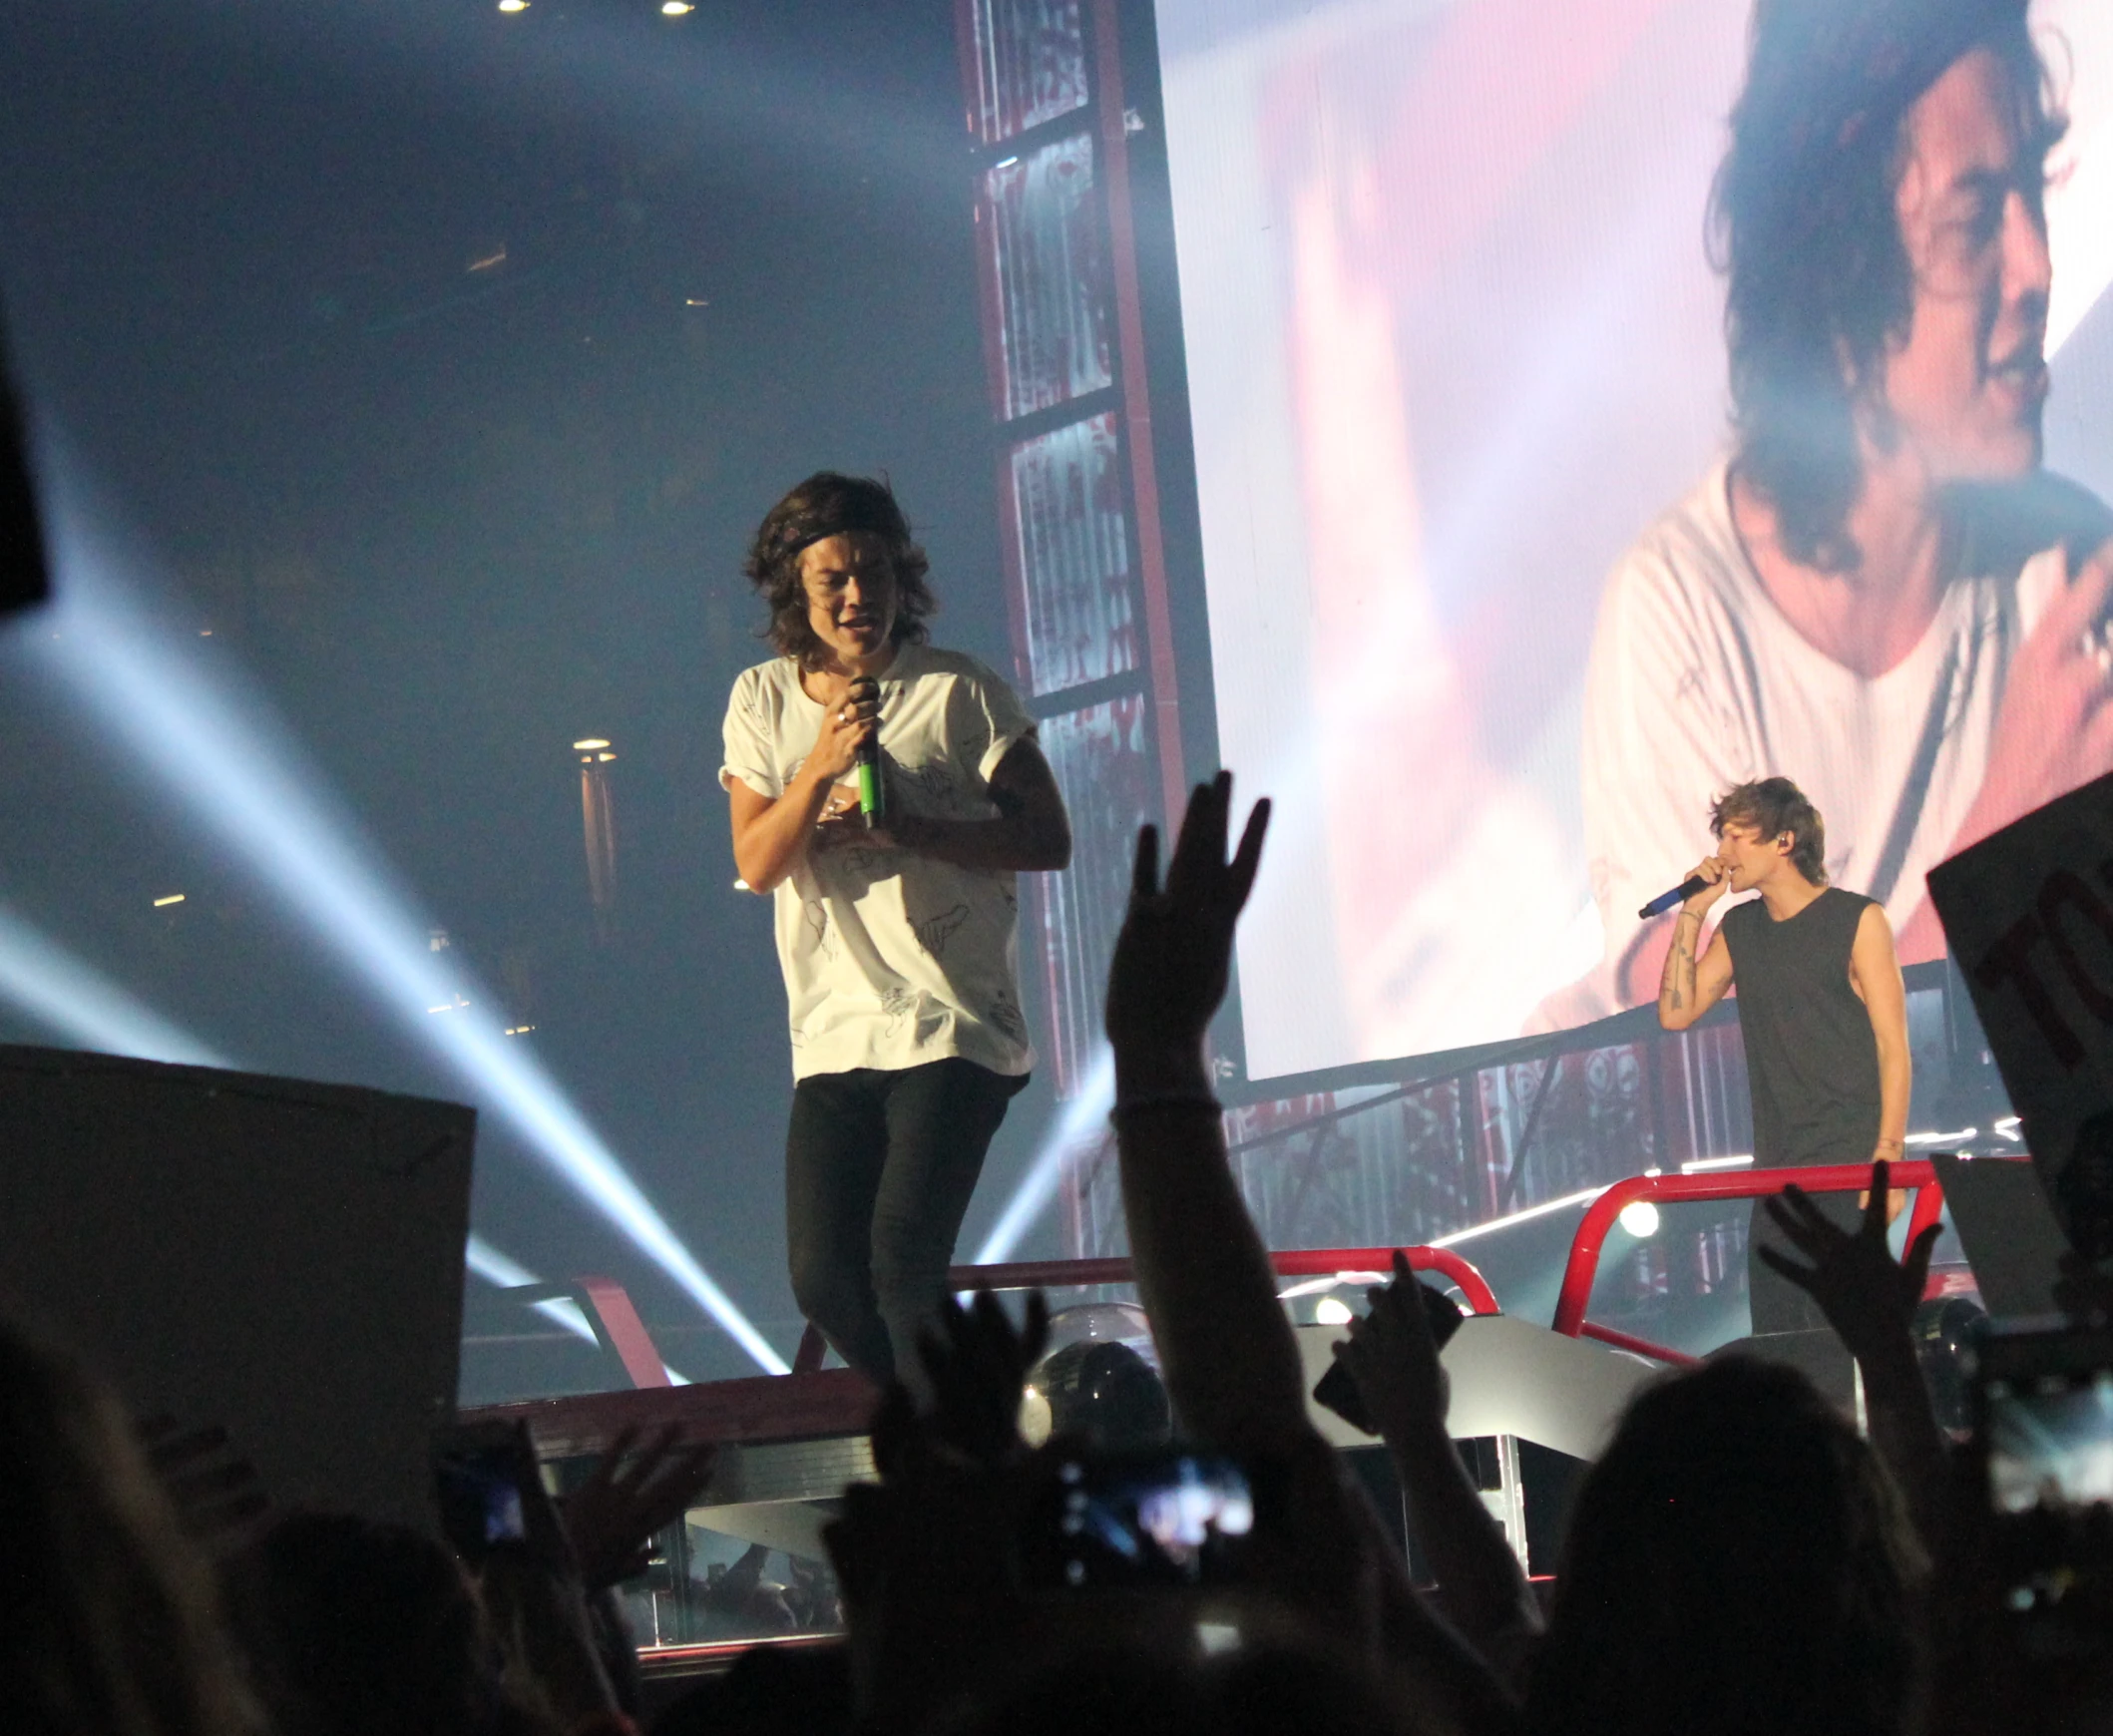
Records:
x=892, y=959
x=1698, y=681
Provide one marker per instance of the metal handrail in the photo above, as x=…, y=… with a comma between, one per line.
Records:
x=1580, y=1271
x=1121, y=1269
x=1585, y=1247
x=1291, y=1263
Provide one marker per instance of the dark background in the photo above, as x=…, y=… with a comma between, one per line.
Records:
x=450, y=515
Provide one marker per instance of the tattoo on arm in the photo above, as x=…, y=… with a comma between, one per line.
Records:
x=1680, y=962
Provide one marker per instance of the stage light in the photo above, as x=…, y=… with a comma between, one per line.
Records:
x=200, y=745
x=79, y=1003
x=1583, y=1197
x=513, y=5
x=675, y=8
x=58, y=989
x=1640, y=1218
x=589, y=745
x=165, y=903
x=1332, y=1311
x=1082, y=1117
x=46, y=981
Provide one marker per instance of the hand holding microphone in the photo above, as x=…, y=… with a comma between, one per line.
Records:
x=1710, y=875
x=872, y=787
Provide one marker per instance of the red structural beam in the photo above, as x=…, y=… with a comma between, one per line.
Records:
x=627, y=1333
x=1586, y=1249
x=1137, y=445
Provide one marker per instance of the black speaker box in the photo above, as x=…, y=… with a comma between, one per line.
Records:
x=278, y=1257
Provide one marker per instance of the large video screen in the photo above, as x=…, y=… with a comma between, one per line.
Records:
x=1492, y=620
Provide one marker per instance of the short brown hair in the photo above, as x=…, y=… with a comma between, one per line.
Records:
x=1772, y=806
x=831, y=505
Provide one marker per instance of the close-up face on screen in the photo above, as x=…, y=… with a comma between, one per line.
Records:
x=1493, y=522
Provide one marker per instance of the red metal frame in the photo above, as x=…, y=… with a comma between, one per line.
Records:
x=814, y=1401
x=1292, y=1263
x=1585, y=1247
x=627, y=1333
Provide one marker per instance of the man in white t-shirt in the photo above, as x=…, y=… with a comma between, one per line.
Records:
x=897, y=940
x=1881, y=595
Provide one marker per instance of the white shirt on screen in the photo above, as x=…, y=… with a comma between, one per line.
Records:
x=1697, y=681
x=893, y=959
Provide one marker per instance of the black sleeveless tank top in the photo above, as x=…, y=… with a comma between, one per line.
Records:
x=1811, y=1059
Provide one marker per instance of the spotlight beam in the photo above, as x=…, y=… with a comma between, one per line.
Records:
x=1035, y=1189
x=82, y=1004
x=53, y=986
x=265, y=802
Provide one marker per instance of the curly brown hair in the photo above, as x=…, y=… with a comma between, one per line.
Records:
x=828, y=504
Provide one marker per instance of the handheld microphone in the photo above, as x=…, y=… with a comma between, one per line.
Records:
x=872, y=791
x=1680, y=894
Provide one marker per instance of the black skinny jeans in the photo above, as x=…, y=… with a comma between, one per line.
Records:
x=1778, y=1306
x=880, y=1165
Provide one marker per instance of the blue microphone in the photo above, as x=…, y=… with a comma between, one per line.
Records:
x=1680, y=894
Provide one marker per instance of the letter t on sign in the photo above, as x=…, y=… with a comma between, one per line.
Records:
x=2009, y=962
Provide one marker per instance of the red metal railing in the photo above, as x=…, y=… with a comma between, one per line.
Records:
x=838, y=1402
x=1292, y=1263
x=1576, y=1293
